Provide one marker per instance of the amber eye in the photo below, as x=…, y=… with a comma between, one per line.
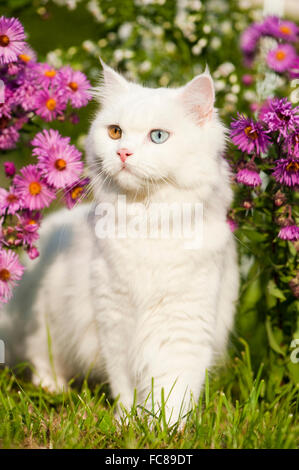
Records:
x=114, y=132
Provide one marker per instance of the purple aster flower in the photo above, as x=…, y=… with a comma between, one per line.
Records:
x=249, y=176
x=10, y=271
x=8, y=134
x=281, y=58
x=33, y=189
x=249, y=135
x=11, y=39
x=287, y=171
x=76, y=193
x=9, y=201
x=280, y=29
x=294, y=72
x=28, y=55
x=281, y=116
x=25, y=95
x=9, y=168
x=249, y=38
x=61, y=166
x=50, y=104
x=291, y=144
x=290, y=232
x=76, y=85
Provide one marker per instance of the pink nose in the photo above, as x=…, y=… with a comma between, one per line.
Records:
x=124, y=154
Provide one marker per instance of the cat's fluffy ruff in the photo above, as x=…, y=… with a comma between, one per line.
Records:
x=137, y=309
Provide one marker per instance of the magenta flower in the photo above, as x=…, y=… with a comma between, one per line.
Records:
x=281, y=116
x=11, y=39
x=249, y=177
x=10, y=271
x=33, y=252
x=28, y=55
x=50, y=104
x=61, y=166
x=33, y=189
x=232, y=224
x=247, y=79
x=291, y=144
x=287, y=171
x=281, y=58
x=9, y=169
x=9, y=201
x=249, y=135
x=25, y=95
x=76, y=85
x=76, y=192
x=290, y=232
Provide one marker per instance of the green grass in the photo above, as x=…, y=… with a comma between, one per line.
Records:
x=232, y=412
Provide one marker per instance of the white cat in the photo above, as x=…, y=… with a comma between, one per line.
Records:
x=145, y=314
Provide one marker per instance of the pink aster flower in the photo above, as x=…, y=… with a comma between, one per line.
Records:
x=287, y=171
x=50, y=104
x=281, y=58
x=33, y=252
x=290, y=232
x=47, y=140
x=62, y=165
x=10, y=271
x=28, y=226
x=249, y=176
x=9, y=134
x=232, y=224
x=28, y=55
x=33, y=189
x=249, y=135
x=76, y=85
x=76, y=193
x=45, y=75
x=25, y=95
x=249, y=38
x=11, y=39
x=9, y=201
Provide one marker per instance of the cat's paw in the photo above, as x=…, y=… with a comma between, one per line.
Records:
x=49, y=383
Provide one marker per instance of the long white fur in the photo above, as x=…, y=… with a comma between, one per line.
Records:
x=135, y=310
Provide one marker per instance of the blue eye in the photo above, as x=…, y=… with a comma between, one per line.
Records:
x=158, y=136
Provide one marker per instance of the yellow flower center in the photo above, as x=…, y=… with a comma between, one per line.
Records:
x=280, y=55
x=35, y=188
x=285, y=29
x=32, y=222
x=50, y=73
x=51, y=104
x=25, y=57
x=76, y=192
x=293, y=166
x=60, y=164
x=4, y=40
x=4, y=275
x=73, y=86
x=253, y=135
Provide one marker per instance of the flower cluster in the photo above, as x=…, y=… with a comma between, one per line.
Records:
x=30, y=89
x=271, y=144
x=283, y=57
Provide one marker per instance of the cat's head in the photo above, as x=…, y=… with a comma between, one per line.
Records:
x=143, y=137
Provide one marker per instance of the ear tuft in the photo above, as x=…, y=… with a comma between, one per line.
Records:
x=198, y=97
x=111, y=83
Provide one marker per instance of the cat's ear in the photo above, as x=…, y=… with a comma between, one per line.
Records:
x=112, y=83
x=198, y=97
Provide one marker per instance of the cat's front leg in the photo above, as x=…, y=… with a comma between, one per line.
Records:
x=174, y=359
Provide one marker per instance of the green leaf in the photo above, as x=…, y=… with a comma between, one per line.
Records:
x=272, y=339
x=273, y=290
